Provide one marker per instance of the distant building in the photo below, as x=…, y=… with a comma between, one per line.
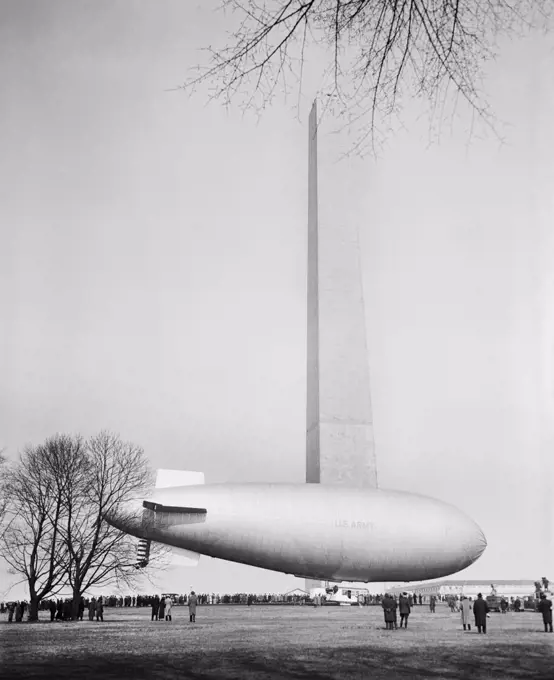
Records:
x=506, y=588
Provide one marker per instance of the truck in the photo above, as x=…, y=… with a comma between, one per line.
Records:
x=530, y=604
x=494, y=602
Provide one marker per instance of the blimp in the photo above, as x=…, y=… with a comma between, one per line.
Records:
x=324, y=532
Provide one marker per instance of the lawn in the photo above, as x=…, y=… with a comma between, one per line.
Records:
x=277, y=642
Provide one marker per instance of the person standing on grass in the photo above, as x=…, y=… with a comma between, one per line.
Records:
x=465, y=609
x=52, y=608
x=545, y=608
x=155, y=608
x=99, y=609
x=480, y=610
x=161, y=611
x=404, y=609
x=389, y=608
x=192, y=601
x=168, y=605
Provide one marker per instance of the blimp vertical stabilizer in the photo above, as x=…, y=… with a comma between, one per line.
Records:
x=166, y=479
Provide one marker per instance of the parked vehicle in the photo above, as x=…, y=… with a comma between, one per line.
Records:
x=494, y=602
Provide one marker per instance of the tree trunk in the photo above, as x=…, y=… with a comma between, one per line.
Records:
x=75, y=602
x=33, y=607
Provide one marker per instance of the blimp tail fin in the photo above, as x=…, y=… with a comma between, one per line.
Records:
x=166, y=479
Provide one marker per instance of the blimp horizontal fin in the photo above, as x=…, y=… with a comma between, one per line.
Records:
x=173, y=509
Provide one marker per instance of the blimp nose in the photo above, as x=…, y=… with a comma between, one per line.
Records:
x=448, y=539
x=466, y=539
x=475, y=542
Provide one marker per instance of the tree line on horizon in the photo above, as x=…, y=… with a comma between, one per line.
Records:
x=53, y=499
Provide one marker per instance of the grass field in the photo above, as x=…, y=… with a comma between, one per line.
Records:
x=277, y=642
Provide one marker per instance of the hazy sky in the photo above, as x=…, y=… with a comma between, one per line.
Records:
x=153, y=274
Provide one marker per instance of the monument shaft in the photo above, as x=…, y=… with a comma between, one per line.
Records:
x=339, y=438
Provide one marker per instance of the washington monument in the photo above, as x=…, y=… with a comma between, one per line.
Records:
x=339, y=425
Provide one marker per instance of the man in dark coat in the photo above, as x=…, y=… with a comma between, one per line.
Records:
x=161, y=610
x=545, y=608
x=480, y=611
x=404, y=609
x=432, y=603
x=100, y=609
x=52, y=608
x=155, y=608
x=389, y=608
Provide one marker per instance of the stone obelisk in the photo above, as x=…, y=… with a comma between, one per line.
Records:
x=339, y=430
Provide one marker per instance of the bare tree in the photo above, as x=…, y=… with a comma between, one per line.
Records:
x=115, y=474
x=33, y=542
x=57, y=496
x=378, y=52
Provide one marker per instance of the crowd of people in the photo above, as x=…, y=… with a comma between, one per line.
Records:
x=61, y=609
x=507, y=604
x=202, y=598
x=161, y=606
x=480, y=609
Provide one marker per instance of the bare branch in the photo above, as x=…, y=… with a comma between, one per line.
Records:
x=381, y=52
